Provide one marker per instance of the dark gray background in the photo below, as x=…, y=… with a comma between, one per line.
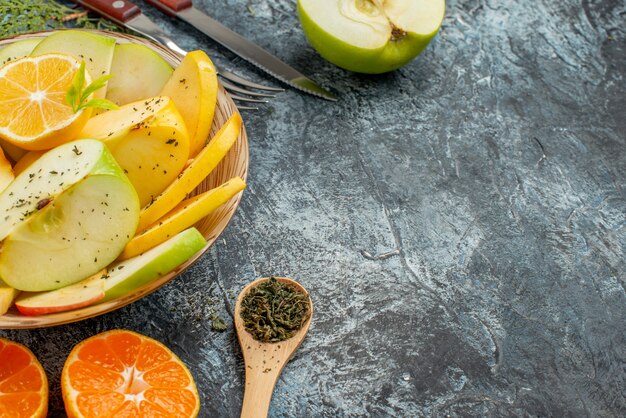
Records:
x=460, y=223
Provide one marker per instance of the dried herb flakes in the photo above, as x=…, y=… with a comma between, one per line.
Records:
x=274, y=311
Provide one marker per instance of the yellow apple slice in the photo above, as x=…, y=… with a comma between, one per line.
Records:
x=187, y=213
x=6, y=171
x=7, y=295
x=152, y=151
x=116, y=124
x=12, y=151
x=193, y=87
x=200, y=167
x=78, y=295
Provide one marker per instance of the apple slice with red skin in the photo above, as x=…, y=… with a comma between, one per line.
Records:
x=78, y=295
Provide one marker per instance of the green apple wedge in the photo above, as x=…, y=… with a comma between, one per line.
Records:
x=131, y=274
x=96, y=50
x=370, y=36
x=138, y=73
x=17, y=50
x=65, y=217
x=120, y=279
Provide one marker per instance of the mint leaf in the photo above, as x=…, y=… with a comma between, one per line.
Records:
x=101, y=104
x=78, y=94
x=95, y=85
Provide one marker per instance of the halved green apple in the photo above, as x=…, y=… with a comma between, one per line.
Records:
x=370, y=36
x=65, y=217
x=138, y=73
x=96, y=50
x=17, y=50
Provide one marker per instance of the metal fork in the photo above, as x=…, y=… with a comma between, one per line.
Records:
x=126, y=14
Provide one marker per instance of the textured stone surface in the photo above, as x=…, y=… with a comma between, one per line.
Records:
x=460, y=223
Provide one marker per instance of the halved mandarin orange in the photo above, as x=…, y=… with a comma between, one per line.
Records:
x=23, y=382
x=33, y=111
x=121, y=374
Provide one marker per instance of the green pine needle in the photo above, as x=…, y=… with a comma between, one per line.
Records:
x=78, y=94
x=23, y=16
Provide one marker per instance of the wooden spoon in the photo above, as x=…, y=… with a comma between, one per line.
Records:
x=265, y=361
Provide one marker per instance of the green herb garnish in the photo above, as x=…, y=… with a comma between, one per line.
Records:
x=78, y=94
x=274, y=311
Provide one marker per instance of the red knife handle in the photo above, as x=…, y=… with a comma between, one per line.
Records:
x=171, y=7
x=120, y=10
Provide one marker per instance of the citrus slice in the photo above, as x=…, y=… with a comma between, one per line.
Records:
x=121, y=373
x=23, y=382
x=33, y=111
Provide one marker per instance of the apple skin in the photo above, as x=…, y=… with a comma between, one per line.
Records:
x=17, y=50
x=129, y=275
x=81, y=294
x=361, y=60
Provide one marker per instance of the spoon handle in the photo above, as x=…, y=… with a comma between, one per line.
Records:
x=258, y=393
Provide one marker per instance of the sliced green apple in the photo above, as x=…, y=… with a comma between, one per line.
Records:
x=149, y=141
x=119, y=280
x=96, y=50
x=84, y=293
x=17, y=50
x=66, y=216
x=370, y=36
x=138, y=73
x=128, y=275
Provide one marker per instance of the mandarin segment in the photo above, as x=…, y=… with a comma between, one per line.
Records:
x=20, y=405
x=128, y=410
x=99, y=404
x=125, y=346
x=26, y=380
x=99, y=353
x=88, y=376
x=151, y=410
x=13, y=359
x=170, y=374
x=175, y=402
x=151, y=355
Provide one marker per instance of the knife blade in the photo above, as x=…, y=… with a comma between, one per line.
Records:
x=246, y=49
x=128, y=15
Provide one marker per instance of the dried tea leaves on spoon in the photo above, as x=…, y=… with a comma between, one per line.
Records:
x=274, y=311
